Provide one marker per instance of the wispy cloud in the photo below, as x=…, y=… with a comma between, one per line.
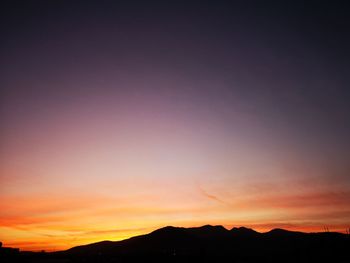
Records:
x=211, y=196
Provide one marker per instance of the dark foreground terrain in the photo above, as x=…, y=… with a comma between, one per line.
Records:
x=203, y=244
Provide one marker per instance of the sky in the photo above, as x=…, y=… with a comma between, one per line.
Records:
x=118, y=118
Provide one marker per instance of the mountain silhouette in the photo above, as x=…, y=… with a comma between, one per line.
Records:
x=244, y=232
x=209, y=244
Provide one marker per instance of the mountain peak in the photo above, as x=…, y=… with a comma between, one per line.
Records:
x=168, y=231
x=243, y=231
x=279, y=232
x=211, y=227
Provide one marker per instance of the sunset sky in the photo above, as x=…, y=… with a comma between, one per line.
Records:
x=121, y=118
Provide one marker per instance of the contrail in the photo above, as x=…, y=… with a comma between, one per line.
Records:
x=210, y=196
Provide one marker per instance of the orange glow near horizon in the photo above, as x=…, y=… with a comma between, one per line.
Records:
x=59, y=221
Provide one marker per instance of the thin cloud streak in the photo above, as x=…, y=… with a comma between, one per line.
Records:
x=211, y=196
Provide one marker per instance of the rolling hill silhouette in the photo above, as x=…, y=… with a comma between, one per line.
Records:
x=209, y=244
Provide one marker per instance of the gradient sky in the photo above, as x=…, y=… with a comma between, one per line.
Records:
x=117, y=119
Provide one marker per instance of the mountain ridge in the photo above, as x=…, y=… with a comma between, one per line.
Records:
x=208, y=244
x=207, y=229
x=213, y=240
